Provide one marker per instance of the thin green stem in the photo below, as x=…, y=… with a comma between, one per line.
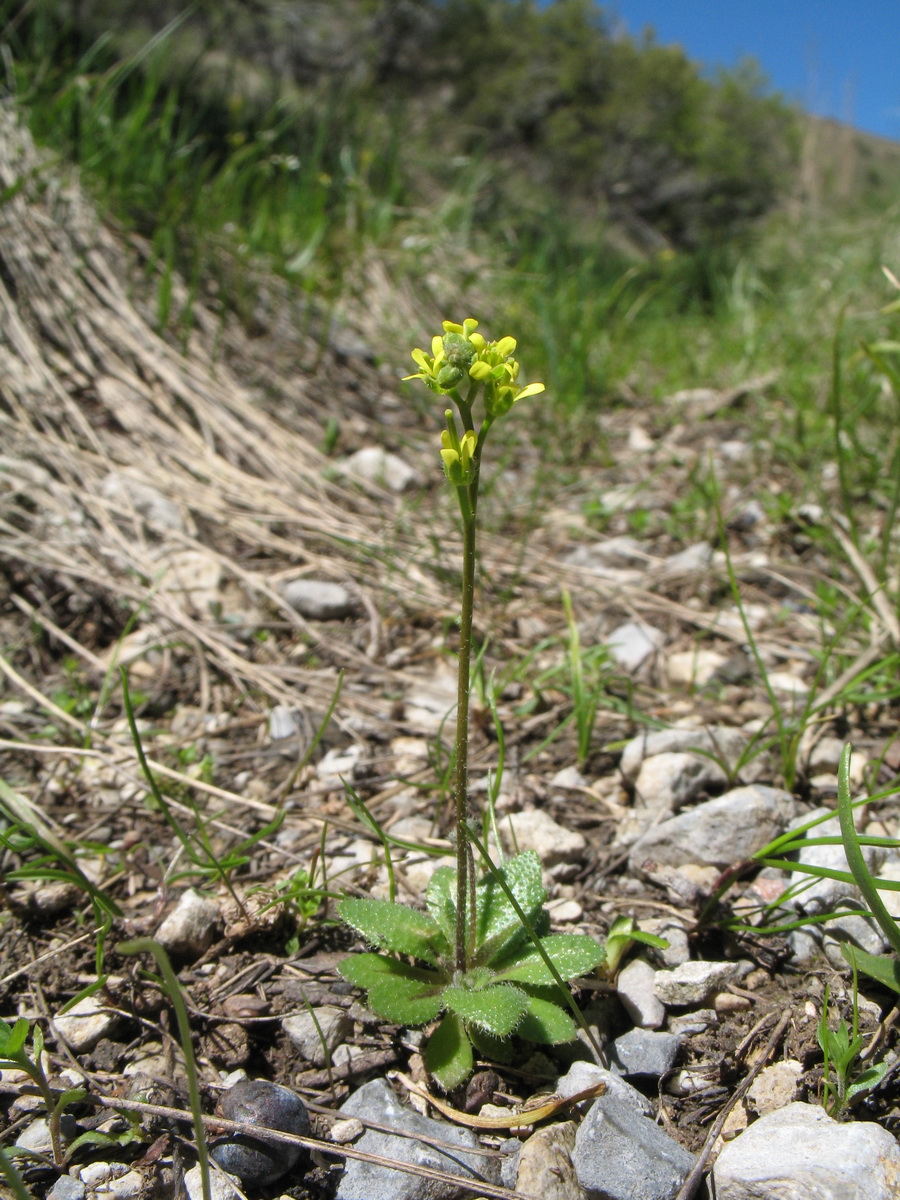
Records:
x=461, y=793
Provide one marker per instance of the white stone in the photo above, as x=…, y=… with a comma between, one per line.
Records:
x=318, y=599
x=635, y=990
x=631, y=644
x=191, y=578
x=693, y=668
x=721, y=741
x=800, y=1153
x=775, y=1086
x=536, y=830
x=316, y=1042
x=718, y=832
x=146, y=500
x=694, y=982
x=380, y=467
x=222, y=1185
x=85, y=1024
x=192, y=926
x=346, y=1131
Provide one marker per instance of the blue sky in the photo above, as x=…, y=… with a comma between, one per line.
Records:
x=838, y=58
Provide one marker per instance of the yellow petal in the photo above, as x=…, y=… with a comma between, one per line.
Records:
x=477, y=341
x=479, y=370
x=437, y=346
x=421, y=359
x=451, y=327
x=450, y=457
x=531, y=389
x=446, y=440
x=468, y=325
x=506, y=346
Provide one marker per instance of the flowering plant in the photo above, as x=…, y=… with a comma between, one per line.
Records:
x=483, y=959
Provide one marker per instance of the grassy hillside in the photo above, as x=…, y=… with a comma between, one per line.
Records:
x=643, y=228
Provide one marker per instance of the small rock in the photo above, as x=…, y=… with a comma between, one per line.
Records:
x=97, y=1174
x=698, y=1021
x=631, y=644
x=694, y=982
x=717, y=832
x=191, y=578
x=219, y=1183
x=689, y=561
x=344, y=1132
x=560, y=849
x=721, y=741
x=824, y=895
x=634, y=985
x=376, y=1101
x=545, y=1164
x=665, y=782
x=67, y=1187
x=122, y=1187
x=862, y=931
x=318, y=600
x=256, y=1102
x=339, y=765
x=583, y=1075
x=36, y=1137
x=641, y=1052
x=799, y=1152
x=694, y=668
x=381, y=467
x=146, y=500
x=564, y=911
x=85, y=1024
x=285, y=722
x=621, y=1155
x=569, y=777
x=775, y=1086
x=191, y=927
x=727, y=1002
x=317, y=1043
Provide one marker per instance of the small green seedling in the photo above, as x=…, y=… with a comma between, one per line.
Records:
x=843, y=1073
x=623, y=933
x=507, y=986
x=482, y=959
x=14, y=1056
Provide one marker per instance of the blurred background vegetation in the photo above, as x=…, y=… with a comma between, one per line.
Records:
x=403, y=160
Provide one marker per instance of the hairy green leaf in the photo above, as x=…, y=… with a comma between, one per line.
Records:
x=496, y=1008
x=572, y=954
x=545, y=1022
x=440, y=896
x=448, y=1055
x=404, y=1001
x=498, y=927
x=395, y=927
x=365, y=970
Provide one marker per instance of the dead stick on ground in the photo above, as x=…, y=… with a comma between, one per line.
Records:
x=692, y=1182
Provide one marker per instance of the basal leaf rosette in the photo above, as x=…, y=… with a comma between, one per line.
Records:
x=508, y=989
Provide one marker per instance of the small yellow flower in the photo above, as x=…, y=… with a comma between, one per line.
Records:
x=458, y=459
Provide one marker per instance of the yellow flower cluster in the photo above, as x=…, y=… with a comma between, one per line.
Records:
x=462, y=353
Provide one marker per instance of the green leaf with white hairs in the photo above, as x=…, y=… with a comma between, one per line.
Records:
x=448, y=1055
x=365, y=970
x=497, y=924
x=571, y=953
x=395, y=927
x=405, y=1001
x=870, y=1079
x=440, y=896
x=497, y=1008
x=545, y=1022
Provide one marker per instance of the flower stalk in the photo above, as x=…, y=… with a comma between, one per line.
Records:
x=462, y=357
